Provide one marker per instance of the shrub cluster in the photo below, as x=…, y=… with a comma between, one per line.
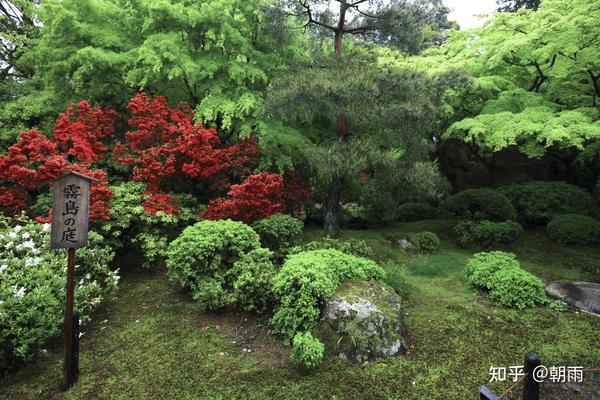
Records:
x=356, y=247
x=308, y=280
x=251, y=278
x=32, y=282
x=425, y=241
x=538, y=202
x=409, y=212
x=149, y=232
x=487, y=233
x=508, y=284
x=202, y=258
x=279, y=233
x=307, y=351
x=479, y=204
x=574, y=229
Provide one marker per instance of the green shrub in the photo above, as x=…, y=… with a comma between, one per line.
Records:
x=307, y=352
x=425, y=241
x=487, y=233
x=251, y=278
x=410, y=212
x=574, y=229
x=517, y=288
x=482, y=266
x=478, y=204
x=149, y=234
x=507, y=282
x=538, y=202
x=279, y=233
x=308, y=280
x=32, y=283
x=356, y=247
x=201, y=257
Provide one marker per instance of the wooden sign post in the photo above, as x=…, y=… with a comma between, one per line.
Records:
x=70, y=207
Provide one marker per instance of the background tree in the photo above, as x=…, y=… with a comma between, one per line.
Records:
x=345, y=90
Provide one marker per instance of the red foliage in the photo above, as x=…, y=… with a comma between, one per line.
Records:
x=32, y=163
x=166, y=143
x=79, y=132
x=294, y=194
x=164, y=202
x=258, y=197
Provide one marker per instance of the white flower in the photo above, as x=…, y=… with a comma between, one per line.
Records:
x=26, y=236
x=29, y=261
x=30, y=244
x=18, y=228
x=88, y=276
x=20, y=292
x=8, y=245
x=46, y=227
x=3, y=268
x=12, y=234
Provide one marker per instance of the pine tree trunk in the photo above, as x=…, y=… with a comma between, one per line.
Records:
x=332, y=208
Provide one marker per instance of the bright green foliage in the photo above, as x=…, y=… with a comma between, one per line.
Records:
x=307, y=352
x=480, y=204
x=356, y=247
x=32, y=282
x=534, y=130
x=279, y=232
x=308, y=280
x=487, y=233
x=425, y=241
x=507, y=282
x=410, y=212
x=482, y=266
x=574, y=229
x=202, y=256
x=517, y=288
x=251, y=278
x=218, y=55
x=538, y=202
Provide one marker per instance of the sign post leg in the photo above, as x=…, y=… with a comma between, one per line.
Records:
x=68, y=373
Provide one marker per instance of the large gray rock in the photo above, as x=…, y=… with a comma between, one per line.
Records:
x=583, y=295
x=362, y=322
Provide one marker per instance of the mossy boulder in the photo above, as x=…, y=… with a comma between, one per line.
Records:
x=362, y=322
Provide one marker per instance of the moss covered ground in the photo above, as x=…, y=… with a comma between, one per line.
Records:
x=150, y=341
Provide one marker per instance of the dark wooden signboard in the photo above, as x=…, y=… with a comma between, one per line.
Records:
x=70, y=204
x=70, y=208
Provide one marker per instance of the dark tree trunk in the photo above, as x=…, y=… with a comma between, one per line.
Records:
x=332, y=208
x=331, y=219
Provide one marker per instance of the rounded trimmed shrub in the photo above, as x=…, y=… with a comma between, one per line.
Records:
x=279, y=232
x=487, y=233
x=517, y=288
x=574, y=229
x=410, y=212
x=425, y=241
x=482, y=266
x=308, y=280
x=508, y=284
x=479, y=204
x=538, y=202
x=201, y=257
x=251, y=278
x=307, y=352
x=356, y=247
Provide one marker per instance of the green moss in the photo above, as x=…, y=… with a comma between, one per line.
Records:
x=455, y=334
